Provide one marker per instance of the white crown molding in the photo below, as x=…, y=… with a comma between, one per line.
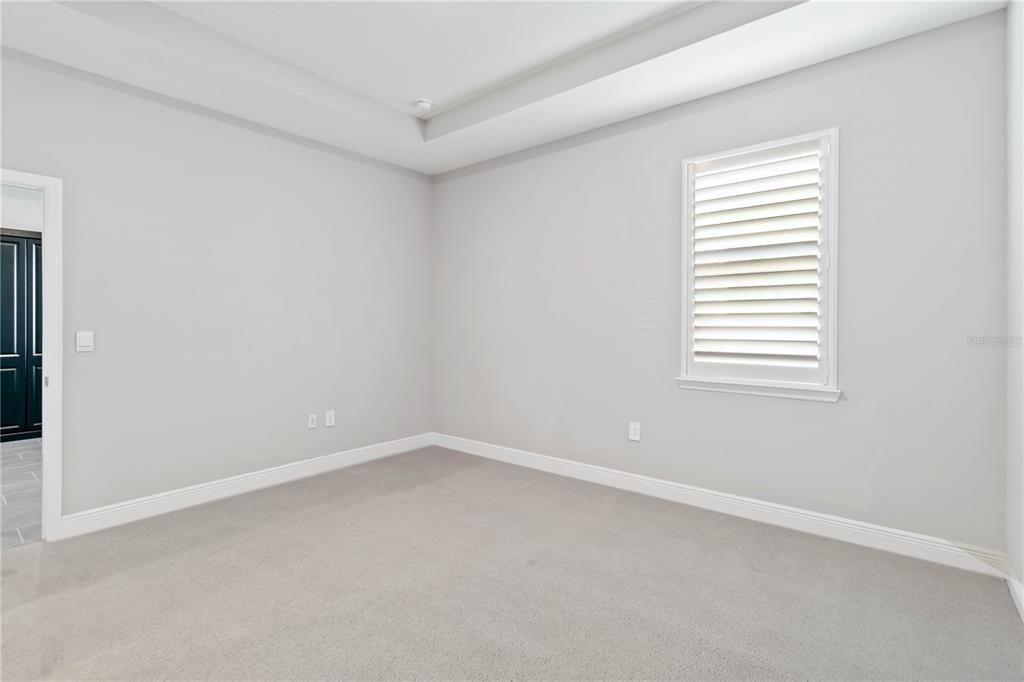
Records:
x=701, y=51
x=936, y=550
x=161, y=503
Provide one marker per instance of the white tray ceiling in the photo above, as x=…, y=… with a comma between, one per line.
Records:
x=503, y=76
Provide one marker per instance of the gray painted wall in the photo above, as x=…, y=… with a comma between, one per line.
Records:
x=558, y=279
x=1015, y=288
x=235, y=282
x=534, y=301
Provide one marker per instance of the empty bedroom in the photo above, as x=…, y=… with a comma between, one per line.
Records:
x=587, y=340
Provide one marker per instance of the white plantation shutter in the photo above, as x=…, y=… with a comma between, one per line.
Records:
x=757, y=280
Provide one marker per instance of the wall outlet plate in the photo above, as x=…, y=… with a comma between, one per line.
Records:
x=634, y=431
x=311, y=421
x=329, y=418
x=85, y=342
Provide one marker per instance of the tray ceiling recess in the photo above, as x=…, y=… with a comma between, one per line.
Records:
x=499, y=77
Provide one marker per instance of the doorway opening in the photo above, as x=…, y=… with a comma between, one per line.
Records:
x=21, y=378
x=30, y=358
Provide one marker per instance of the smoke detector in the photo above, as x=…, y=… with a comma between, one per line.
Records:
x=422, y=105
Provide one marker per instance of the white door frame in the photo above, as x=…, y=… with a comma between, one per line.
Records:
x=53, y=340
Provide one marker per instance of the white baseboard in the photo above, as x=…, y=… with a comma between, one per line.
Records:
x=173, y=500
x=937, y=550
x=978, y=559
x=1017, y=592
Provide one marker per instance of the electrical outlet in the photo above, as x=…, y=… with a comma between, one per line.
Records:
x=311, y=421
x=329, y=418
x=634, y=431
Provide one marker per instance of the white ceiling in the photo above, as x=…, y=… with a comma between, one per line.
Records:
x=506, y=76
x=395, y=52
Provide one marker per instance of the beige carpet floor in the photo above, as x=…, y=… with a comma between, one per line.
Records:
x=439, y=565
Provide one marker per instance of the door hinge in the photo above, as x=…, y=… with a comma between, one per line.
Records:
x=46, y=381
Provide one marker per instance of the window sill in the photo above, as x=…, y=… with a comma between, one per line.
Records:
x=821, y=394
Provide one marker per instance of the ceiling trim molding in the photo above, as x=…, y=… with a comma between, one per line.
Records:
x=8, y=53
x=582, y=52
x=696, y=23
x=626, y=126
x=211, y=49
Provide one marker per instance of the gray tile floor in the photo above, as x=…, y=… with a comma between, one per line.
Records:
x=21, y=489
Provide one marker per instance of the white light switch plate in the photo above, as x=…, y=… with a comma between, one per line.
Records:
x=311, y=421
x=634, y=431
x=84, y=342
x=329, y=418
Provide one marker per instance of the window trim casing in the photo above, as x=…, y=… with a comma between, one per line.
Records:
x=827, y=392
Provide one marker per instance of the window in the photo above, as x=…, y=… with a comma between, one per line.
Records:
x=759, y=269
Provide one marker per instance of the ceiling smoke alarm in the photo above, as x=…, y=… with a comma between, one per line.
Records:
x=422, y=105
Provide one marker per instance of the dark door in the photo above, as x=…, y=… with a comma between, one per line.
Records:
x=21, y=337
